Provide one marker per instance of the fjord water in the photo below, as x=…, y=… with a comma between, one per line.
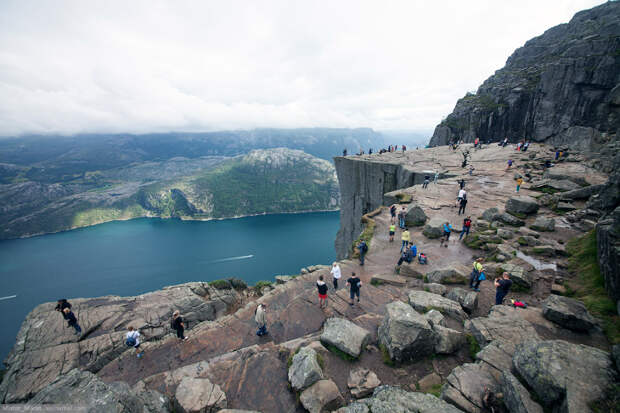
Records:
x=142, y=255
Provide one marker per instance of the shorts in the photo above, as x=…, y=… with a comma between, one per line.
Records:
x=323, y=296
x=458, y=198
x=354, y=293
x=391, y=233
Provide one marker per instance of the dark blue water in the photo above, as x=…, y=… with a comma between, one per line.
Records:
x=142, y=255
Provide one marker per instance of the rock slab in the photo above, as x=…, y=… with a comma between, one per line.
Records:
x=568, y=313
x=322, y=395
x=405, y=333
x=199, y=395
x=345, y=336
x=305, y=369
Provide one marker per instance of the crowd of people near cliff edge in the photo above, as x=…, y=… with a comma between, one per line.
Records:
x=408, y=253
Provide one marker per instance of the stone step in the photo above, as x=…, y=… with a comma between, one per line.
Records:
x=389, y=279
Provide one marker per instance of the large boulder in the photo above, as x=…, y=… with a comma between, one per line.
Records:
x=608, y=248
x=434, y=228
x=506, y=218
x=451, y=274
x=447, y=340
x=390, y=399
x=321, y=396
x=543, y=224
x=405, y=333
x=305, y=369
x=412, y=269
x=423, y=302
x=345, y=336
x=516, y=396
x=199, y=395
x=434, y=318
x=82, y=388
x=518, y=274
x=502, y=323
x=465, y=386
x=415, y=216
x=362, y=382
x=491, y=214
x=435, y=288
x=467, y=299
x=521, y=205
x=564, y=376
x=568, y=313
x=554, y=185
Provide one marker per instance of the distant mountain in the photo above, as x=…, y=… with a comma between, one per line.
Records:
x=562, y=88
x=410, y=138
x=54, y=159
x=263, y=181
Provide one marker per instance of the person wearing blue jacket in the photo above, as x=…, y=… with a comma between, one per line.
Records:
x=447, y=230
x=414, y=250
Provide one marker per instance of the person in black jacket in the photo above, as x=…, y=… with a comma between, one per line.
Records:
x=322, y=287
x=61, y=305
x=70, y=317
x=178, y=325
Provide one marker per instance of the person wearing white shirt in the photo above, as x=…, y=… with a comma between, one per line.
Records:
x=336, y=274
x=462, y=195
x=133, y=340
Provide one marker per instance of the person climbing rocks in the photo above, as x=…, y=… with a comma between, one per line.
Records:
x=132, y=339
x=462, y=205
x=466, y=227
x=462, y=184
x=322, y=287
x=474, y=277
x=61, y=305
x=462, y=195
x=405, y=238
x=509, y=164
x=72, y=320
x=405, y=256
x=178, y=325
x=447, y=230
x=427, y=180
x=362, y=247
x=502, y=288
x=393, y=213
x=402, y=214
x=259, y=317
x=354, y=284
x=392, y=231
x=519, y=182
x=336, y=274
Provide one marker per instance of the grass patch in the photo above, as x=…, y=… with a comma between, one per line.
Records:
x=404, y=198
x=259, y=285
x=522, y=241
x=289, y=361
x=376, y=282
x=385, y=355
x=340, y=353
x=368, y=232
x=588, y=285
x=425, y=279
x=321, y=361
x=435, y=390
x=220, y=284
x=519, y=215
x=473, y=241
x=474, y=347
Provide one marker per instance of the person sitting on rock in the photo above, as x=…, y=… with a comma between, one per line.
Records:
x=72, y=320
x=178, y=325
x=502, y=288
x=422, y=259
x=133, y=340
x=259, y=317
x=405, y=256
x=447, y=230
x=414, y=249
x=322, y=287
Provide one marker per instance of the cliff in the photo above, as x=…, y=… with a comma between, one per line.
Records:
x=562, y=88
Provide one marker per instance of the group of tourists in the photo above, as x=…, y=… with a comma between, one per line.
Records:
x=390, y=148
x=353, y=282
x=502, y=285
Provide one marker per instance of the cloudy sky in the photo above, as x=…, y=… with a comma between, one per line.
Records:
x=152, y=66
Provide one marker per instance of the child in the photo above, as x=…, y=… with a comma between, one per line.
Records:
x=422, y=259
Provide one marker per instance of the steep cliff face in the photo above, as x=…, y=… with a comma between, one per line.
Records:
x=362, y=185
x=562, y=87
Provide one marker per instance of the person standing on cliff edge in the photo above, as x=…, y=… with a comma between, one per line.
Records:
x=259, y=317
x=336, y=274
x=178, y=325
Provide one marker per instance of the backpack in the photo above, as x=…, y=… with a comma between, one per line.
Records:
x=364, y=247
x=172, y=324
x=131, y=341
x=481, y=277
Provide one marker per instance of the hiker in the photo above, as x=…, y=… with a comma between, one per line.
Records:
x=178, y=325
x=414, y=250
x=505, y=142
x=393, y=213
x=405, y=256
x=370, y=151
x=462, y=195
x=336, y=274
x=471, y=171
x=355, y=283
x=322, y=287
x=462, y=206
x=404, y=148
x=363, y=249
x=61, y=305
x=259, y=317
x=474, y=277
x=461, y=184
x=466, y=227
x=557, y=155
x=447, y=229
x=422, y=259
x=392, y=231
x=405, y=238
x=427, y=179
x=509, y=164
x=476, y=142
x=133, y=340
x=525, y=146
x=436, y=177
x=503, y=287
x=70, y=317
x=401, y=218
x=519, y=182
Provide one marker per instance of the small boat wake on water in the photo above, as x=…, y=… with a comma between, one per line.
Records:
x=8, y=297
x=241, y=257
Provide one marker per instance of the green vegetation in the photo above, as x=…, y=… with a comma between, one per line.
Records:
x=473, y=241
x=474, y=347
x=404, y=198
x=376, y=282
x=609, y=403
x=320, y=360
x=385, y=355
x=289, y=360
x=367, y=233
x=519, y=215
x=435, y=390
x=259, y=285
x=335, y=350
x=589, y=285
x=220, y=284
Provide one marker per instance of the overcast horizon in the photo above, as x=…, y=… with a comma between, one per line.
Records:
x=159, y=66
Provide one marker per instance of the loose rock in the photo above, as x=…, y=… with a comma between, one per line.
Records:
x=424, y=302
x=448, y=340
x=322, y=395
x=568, y=313
x=405, y=333
x=543, y=224
x=467, y=299
x=522, y=205
x=362, y=382
x=305, y=369
x=435, y=288
x=345, y=336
